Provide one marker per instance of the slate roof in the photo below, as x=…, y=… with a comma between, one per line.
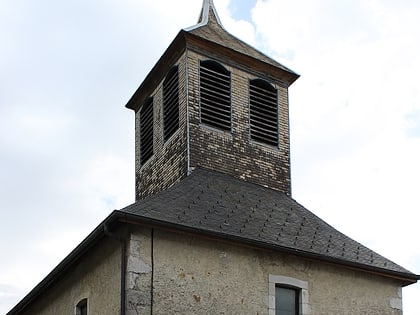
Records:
x=209, y=37
x=216, y=204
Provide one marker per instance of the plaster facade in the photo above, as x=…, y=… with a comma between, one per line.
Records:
x=173, y=273
x=193, y=275
x=96, y=277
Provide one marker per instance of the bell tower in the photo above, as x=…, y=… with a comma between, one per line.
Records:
x=212, y=101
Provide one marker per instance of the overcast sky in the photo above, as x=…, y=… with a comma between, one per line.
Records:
x=67, y=68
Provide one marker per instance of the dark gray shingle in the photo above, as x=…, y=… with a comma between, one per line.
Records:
x=215, y=203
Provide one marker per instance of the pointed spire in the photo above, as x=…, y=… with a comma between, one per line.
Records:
x=208, y=14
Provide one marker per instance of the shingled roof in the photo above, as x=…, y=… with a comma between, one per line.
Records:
x=216, y=204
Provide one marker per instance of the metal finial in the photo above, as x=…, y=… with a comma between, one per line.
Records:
x=205, y=14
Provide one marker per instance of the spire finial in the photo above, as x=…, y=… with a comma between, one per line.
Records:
x=205, y=15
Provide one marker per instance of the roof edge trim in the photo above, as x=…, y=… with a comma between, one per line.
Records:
x=407, y=278
x=65, y=264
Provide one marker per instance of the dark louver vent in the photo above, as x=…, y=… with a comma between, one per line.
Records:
x=146, y=131
x=263, y=112
x=215, y=95
x=170, y=104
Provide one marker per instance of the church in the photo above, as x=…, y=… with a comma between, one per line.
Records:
x=214, y=229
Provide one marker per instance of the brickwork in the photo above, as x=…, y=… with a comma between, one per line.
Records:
x=233, y=152
x=169, y=161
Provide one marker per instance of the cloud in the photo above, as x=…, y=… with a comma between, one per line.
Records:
x=67, y=142
x=354, y=116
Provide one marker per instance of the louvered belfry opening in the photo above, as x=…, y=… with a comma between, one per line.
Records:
x=263, y=112
x=215, y=95
x=146, y=131
x=170, y=103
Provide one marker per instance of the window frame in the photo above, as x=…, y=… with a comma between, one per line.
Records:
x=300, y=286
x=223, y=72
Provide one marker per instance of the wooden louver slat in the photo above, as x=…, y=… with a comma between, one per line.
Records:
x=215, y=100
x=170, y=103
x=263, y=111
x=146, y=131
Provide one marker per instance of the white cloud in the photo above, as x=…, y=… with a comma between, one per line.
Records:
x=67, y=69
x=354, y=159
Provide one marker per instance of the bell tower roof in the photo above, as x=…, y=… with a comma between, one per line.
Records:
x=209, y=36
x=208, y=15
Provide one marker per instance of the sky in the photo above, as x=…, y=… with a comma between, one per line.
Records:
x=67, y=68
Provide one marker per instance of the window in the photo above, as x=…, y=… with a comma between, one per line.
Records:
x=287, y=301
x=263, y=113
x=81, y=307
x=215, y=104
x=287, y=296
x=170, y=104
x=146, y=131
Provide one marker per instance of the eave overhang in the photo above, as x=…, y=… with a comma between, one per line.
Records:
x=124, y=217
x=120, y=217
x=187, y=41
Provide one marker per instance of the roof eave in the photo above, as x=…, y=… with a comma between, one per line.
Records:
x=120, y=216
x=185, y=39
x=159, y=70
x=200, y=44
x=405, y=278
x=96, y=235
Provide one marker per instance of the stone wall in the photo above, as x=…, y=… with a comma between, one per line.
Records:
x=169, y=161
x=193, y=275
x=139, y=273
x=187, y=274
x=96, y=277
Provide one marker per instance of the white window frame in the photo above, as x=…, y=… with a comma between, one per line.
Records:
x=302, y=286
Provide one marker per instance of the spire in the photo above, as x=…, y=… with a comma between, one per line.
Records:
x=208, y=14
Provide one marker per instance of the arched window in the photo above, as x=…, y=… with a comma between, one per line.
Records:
x=215, y=100
x=170, y=103
x=263, y=112
x=81, y=307
x=146, y=131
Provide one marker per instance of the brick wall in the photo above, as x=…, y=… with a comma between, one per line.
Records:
x=233, y=152
x=229, y=152
x=169, y=161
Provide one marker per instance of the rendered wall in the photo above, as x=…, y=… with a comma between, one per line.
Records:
x=96, y=277
x=201, y=276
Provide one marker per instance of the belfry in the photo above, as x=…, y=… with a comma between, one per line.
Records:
x=212, y=101
x=214, y=229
